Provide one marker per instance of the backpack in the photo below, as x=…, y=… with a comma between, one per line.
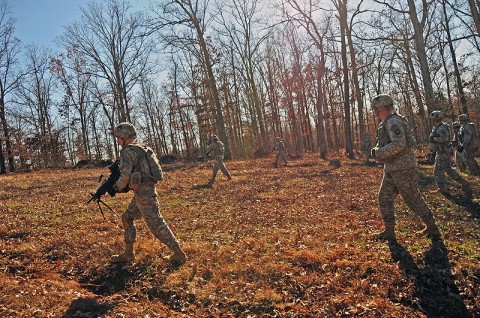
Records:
x=150, y=167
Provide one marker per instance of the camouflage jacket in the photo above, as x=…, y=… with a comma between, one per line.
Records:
x=395, y=144
x=469, y=136
x=440, y=140
x=217, y=148
x=130, y=175
x=280, y=146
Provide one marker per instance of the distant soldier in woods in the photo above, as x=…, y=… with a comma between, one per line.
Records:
x=440, y=143
x=395, y=150
x=218, y=149
x=280, y=152
x=460, y=161
x=139, y=173
x=469, y=140
x=367, y=146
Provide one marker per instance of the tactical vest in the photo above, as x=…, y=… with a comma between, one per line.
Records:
x=444, y=147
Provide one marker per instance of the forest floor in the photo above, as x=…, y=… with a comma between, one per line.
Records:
x=293, y=241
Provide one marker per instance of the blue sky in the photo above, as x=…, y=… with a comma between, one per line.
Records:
x=41, y=21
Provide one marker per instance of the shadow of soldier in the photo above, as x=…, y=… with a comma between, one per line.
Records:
x=472, y=207
x=436, y=294
x=87, y=307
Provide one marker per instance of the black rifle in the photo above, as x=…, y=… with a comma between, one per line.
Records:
x=107, y=186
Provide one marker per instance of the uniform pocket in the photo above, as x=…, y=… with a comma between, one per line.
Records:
x=135, y=180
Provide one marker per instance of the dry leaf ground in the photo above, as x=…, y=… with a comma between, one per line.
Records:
x=274, y=242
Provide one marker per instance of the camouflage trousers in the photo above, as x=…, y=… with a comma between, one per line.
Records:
x=443, y=166
x=280, y=156
x=403, y=182
x=219, y=165
x=147, y=206
x=472, y=164
x=460, y=161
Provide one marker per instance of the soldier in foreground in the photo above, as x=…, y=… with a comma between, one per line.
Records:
x=469, y=140
x=139, y=173
x=218, y=149
x=281, y=152
x=395, y=150
x=440, y=143
x=460, y=161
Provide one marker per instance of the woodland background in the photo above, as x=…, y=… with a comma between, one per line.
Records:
x=245, y=70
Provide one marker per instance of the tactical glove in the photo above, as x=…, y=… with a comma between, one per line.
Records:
x=431, y=139
x=460, y=148
x=373, y=153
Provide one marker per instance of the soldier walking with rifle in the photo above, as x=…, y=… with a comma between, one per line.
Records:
x=441, y=144
x=218, y=149
x=395, y=150
x=140, y=172
x=468, y=145
x=281, y=151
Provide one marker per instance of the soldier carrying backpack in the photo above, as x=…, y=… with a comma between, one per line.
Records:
x=140, y=171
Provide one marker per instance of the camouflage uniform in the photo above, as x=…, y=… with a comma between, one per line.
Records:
x=144, y=202
x=280, y=151
x=468, y=133
x=218, y=150
x=460, y=161
x=134, y=176
x=395, y=150
x=440, y=144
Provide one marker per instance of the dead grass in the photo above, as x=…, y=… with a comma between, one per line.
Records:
x=285, y=242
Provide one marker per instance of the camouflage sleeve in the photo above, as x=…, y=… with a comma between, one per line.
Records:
x=396, y=132
x=442, y=135
x=127, y=159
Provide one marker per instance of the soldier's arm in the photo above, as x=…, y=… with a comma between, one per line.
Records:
x=127, y=159
x=398, y=143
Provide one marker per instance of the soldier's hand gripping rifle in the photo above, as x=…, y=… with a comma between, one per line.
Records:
x=107, y=186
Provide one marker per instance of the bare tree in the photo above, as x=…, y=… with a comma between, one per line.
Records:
x=116, y=46
x=9, y=80
x=190, y=22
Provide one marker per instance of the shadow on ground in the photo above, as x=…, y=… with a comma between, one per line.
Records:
x=436, y=294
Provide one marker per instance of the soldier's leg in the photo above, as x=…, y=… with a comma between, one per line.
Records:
x=277, y=157
x=284, y=158
x=439, y=174
x=148, y=205
x=452, y=173
x=224, y=170
x=407, y=185
x=472, y=164
x=214, y=172
x=129, y=233
x=386, y=197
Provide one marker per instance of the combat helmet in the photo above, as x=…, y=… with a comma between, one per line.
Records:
x=382, y=100
x=436, y=115
x=463, y=117
x=124, y=130
x=456, y=125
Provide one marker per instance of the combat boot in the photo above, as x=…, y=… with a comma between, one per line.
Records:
x=388, y=234
x=127, y=256
x=178, y=257
x=431, y=230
